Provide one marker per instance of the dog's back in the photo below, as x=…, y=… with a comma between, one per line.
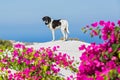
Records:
x=56, y=23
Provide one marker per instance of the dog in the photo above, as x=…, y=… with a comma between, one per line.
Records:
x=57, y=24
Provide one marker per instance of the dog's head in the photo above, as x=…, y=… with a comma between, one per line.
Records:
x=46, y=19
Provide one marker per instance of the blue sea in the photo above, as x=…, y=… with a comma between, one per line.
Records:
x=40, y=33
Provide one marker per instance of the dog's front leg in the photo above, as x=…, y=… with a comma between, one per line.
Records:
x=53, y=35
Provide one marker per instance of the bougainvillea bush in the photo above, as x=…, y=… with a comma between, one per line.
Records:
x=101, y=61
x=22, y=63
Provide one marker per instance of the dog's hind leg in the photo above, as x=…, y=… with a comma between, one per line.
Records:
x=64, y=35
x=53, y=35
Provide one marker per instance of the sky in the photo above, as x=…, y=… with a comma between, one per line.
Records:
x=21, y=20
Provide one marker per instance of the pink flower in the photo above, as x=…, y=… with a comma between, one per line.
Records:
x=26, y=71
x=118, y=69
x=114, y=58
x=33, y=68
x=104, y=37
x=9, y=71
x=68, y=78
x=29, y=50
x=13, y=60
x=94, y=24
x=36, y=54
x=27, y=62
x=110, y=50
x=19, y=46
x=118, y=22
x=107, y=24
x=1, y=50
x=102, y=23
x=112, y=37
x=58, y=46
x=82, y=47
x=94, y=33
x=10, y=77
x=54, y=48
x=48, y=72
x=50, y=54
x=15, y=53
x=112, y=23
x=100, y=78
x=110, y=64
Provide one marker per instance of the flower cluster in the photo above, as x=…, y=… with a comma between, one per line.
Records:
x=30, y=64
x=101, y=61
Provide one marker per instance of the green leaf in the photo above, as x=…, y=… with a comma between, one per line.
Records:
x=1, y=78
x=1, y=53
x=118, y=75
x=119, y=55
x=105, y=78
x=90, y=28
x=45, y=68
x=113, y=74
x=117, y=28
x=115, y=47
x=43, y=78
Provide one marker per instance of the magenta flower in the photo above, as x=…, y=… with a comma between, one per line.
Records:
x=68, y=78
x=50, y=54
x=118, y=22
x=19, y=46
x=112, y=23
x=107, y=24
x=82, y=47
x=100, y=78
x=26, y=71
x=114, y=58
x=118, y=69
x=94, y=33
x=102, y=23
x=54, y=48
x=15, y=53
x=111, y=65
x=110, y=50
x=10, y=76
x=33, y=68
x=36, y=55
x=112, y=37
x=48, y=72
x=104, y=37
x=27, y=62
x=1, y=50
x=94, y=24
x=29, y=50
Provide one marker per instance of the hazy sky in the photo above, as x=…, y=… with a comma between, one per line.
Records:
x=21, y=19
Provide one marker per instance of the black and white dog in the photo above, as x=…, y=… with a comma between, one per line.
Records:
x=57, y=24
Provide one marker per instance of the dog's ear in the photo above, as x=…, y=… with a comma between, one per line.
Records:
x=43, y=18
x=48, y=19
